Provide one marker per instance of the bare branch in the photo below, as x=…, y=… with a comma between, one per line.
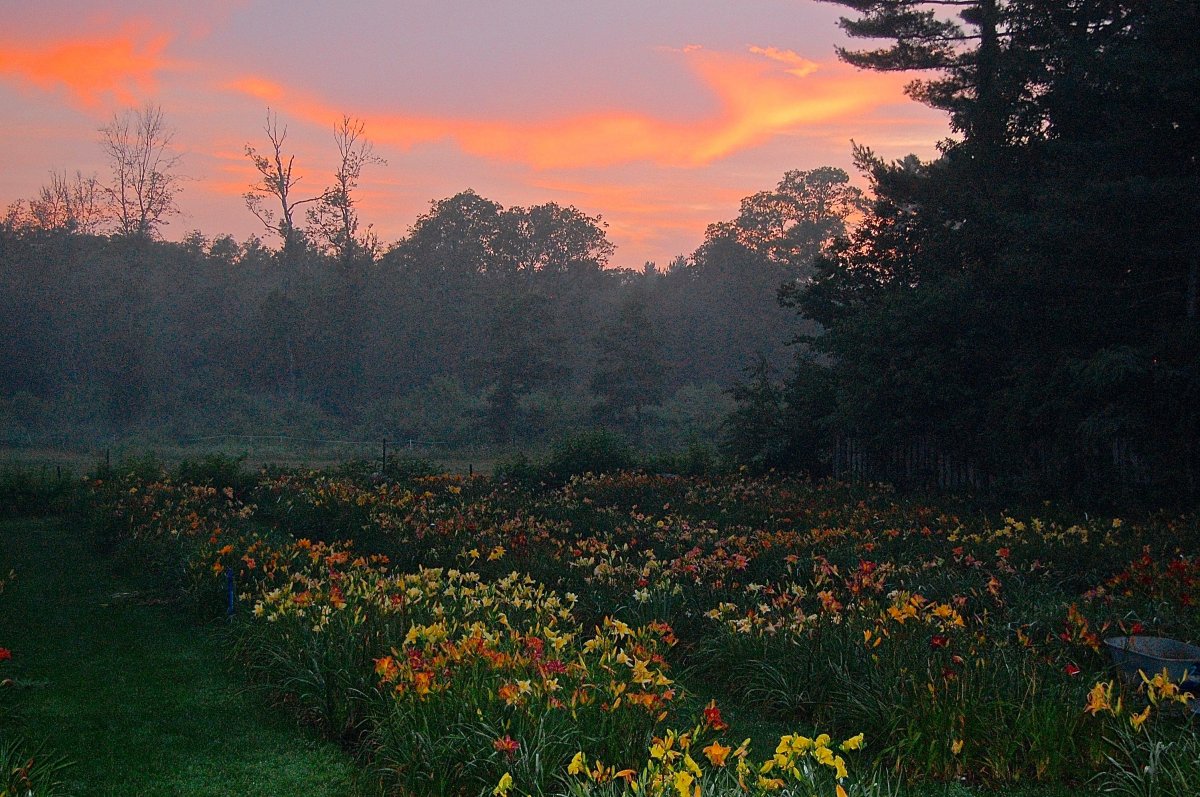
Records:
x=144, y=185
x=335, y=220
x=275, y=184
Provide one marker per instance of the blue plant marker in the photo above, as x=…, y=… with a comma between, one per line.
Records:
x=229, y=590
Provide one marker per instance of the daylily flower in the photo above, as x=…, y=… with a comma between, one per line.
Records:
x=1100, y=698
x=506, y=745
x=717, y=753
x=712, y=717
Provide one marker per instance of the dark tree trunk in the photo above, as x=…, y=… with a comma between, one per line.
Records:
x=1193, y=287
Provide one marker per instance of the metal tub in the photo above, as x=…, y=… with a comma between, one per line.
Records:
x=1152, y=655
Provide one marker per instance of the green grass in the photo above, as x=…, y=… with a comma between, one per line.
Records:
x=958, y=790
x=136, y=694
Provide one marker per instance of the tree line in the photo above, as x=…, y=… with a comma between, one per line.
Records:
x=484, y=325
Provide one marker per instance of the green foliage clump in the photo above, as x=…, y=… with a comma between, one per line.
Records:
x=518, y=469
x=597, y=451
x=219, y=471
x=698, y=459
x=1163, y=764
x=779, y=424
x=30, y=769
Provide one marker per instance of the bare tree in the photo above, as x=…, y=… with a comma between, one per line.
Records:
x=16, y=216
x=274, y=186
x=334, y=221
x=144, y=185
x=74, y=203
x=271, y=200
x=51, y=209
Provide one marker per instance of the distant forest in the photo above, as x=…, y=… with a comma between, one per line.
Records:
x=1020, y=312
x=485, y=325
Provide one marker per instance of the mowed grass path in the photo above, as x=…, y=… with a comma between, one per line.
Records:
x=138, y=695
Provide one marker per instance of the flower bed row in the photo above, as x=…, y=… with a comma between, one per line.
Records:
x=506, y=630
x=446, y=681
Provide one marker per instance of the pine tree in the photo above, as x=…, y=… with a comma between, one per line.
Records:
x=963, y=41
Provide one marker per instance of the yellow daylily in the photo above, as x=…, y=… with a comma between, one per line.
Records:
x=1100, y=698
x=683, y=783
x=853, y=743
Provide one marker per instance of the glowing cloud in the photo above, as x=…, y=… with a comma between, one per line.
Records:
x=801, y=66
x=122, y=66
x=757, y=96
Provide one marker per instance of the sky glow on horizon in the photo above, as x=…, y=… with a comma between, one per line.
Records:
x=658, y=116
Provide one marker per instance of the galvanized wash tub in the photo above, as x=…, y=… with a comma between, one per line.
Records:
x=1152, y=654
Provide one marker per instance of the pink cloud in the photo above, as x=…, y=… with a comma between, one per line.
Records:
x=91, y=70
x=757, y=95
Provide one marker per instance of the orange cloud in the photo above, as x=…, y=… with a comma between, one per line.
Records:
x=757, y=95
x=801, y=66
x=122, y=66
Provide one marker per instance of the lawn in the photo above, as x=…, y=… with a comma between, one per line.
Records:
x=135, y=694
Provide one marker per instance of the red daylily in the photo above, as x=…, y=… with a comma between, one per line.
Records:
x=712, y=717
x=507, y=745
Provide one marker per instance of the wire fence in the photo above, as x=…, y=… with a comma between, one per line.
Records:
x=921, y=462
x=382, y=444
x=380, y=449
x=411, y=442
x=278, y=447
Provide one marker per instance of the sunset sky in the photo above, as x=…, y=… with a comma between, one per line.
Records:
x=659, y=116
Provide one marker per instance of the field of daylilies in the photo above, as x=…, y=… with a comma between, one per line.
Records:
x=468, y=636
